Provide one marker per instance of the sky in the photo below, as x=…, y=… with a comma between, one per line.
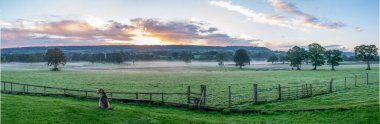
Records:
x=276, y=24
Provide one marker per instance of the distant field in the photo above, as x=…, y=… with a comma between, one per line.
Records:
x=176, y=76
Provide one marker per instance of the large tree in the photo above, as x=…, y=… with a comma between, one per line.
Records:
x=316, y=55
x=283, y=59
x=241, y=57
x=272, y=58
x=333, y=57
x=296, y=55
x=366, y=53
x=55, y=57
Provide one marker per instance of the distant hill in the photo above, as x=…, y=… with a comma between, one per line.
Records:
x=112, y=48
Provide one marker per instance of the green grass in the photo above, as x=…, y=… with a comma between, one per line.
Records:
x=41, y=109
x=176, y=79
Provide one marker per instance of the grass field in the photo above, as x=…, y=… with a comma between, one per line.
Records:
x=167, y=78
x=164, y=77
x=41, y=109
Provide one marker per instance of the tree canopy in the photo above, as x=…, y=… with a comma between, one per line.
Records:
x=366, y=53
x=55, y=57
x=333, y=57
x=272, y=59
x=296, y=55
x=241, y=57
x=316, y=55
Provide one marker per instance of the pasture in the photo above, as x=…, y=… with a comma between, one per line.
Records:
x=176, y=76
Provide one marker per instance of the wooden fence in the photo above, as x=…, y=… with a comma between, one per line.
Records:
x=188, y=98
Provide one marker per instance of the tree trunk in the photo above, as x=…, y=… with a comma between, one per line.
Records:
x=298, y=67
x=332, y=67
x=315, y=67
x=240, y=66
x=368, y=67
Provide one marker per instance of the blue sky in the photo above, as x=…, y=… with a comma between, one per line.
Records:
x=276, y=24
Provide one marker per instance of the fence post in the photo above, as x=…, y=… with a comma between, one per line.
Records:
x=367, y=78
x=86, y=93
x=64, y=92
x=330, y=85
x=356, y=79
x=311, y=90
x=345, y=82
x=137, y=95
x=255, y=93
x=307, y=90
x=27, y=88
x=229, y=97
x=44, y=90
x=23, y=88
x=279, y=92
x=162, y=97
x=11, y=86
x=204, y=94
x=188, y=94
x=4, y=86
x=150, y=97
x=111, y=95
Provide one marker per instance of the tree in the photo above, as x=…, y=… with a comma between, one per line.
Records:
x=296, y=55
x=283, y=59
x=220, y=57
x=186, y=56
x=366, y=53
x=272, y=58
x=241, y=57
x=333, y=57
x=316, y=55
x=55, y=57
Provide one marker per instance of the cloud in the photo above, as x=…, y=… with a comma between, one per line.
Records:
x=359, y=29
x=304, y=18
x=303, y=21
x=141, y=31
x=336, y=47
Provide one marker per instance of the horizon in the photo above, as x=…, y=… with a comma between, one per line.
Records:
x=275, y=24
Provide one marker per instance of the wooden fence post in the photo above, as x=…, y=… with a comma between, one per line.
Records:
x=367, y=78
x=27, y=88
x=44, y=90
x=330, y=85
x=307, y=90
x=137, y=95
x=11, y=86
x=356, y=79
x=150, y=97
x=64, y=92
x=345, y=82
x=311, y=90
x=111, y=95
x=86, y=93
x=4, y=86
x=255, y=93
x=229, y=97
x=188, y=94
x=23, y=88
x=279, y=92
x=162, y=97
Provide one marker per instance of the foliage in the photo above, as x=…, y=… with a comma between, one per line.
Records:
x=220, y=57
x=333, y=57
x=241, y=57
x=272, y=59
x=186, y=56
x=316, y=55
x=55, y=57
x=366, y=53
x=296, y=55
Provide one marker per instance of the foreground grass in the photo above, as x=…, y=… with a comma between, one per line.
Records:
x=41, y=109
x=175, y=79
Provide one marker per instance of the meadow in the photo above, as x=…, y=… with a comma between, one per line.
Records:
x=176, y=76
